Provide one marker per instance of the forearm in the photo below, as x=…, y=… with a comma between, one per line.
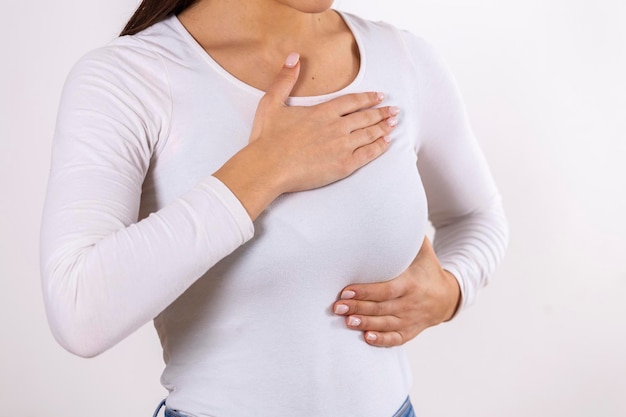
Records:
x=471, y=247
x=100, y=286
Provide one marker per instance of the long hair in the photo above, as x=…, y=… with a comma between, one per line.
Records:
x=150, y=12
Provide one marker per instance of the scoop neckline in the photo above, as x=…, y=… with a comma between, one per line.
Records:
x=295, y=100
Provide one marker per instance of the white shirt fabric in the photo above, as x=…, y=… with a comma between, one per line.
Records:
x=135, y=227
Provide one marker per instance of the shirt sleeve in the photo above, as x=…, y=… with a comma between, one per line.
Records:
x=464, y=205
x=104, y=273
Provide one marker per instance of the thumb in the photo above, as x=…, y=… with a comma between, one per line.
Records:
x=376, y=291
x=285, y=80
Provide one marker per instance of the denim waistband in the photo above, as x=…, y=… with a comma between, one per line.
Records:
x=405, y=410
x=172, y=413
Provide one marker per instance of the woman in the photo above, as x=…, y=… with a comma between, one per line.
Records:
x=265, y=206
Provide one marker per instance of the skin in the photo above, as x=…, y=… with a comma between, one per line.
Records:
x=392, y=313
x=301, y=148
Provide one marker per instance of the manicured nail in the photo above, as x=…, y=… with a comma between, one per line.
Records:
x=392, y=121
x=387, y=138
x=292, y=60
x=341, y=309
x=371, y=336
x=354, y=321
x=380, y=96
x=348, y=294
x=393, y=110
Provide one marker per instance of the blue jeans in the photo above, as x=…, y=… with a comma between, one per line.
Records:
x=406, y=410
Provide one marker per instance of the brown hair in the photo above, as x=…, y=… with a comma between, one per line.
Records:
x=150, y=12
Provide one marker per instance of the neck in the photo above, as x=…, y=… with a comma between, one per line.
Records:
x=266, y=23
x=251, y=38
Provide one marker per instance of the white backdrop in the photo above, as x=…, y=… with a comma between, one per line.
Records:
x=544, y=83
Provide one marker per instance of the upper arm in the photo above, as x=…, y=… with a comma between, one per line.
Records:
x=454, y=171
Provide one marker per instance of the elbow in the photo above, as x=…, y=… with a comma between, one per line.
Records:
x=74, y=318
x=77, y=335
x=79, y=348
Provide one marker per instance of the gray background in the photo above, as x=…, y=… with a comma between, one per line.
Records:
x=543, y=81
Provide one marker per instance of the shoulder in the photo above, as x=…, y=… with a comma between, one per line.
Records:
x=129, y=68
x=388, y=36
x=124, y=81
x=124, y=56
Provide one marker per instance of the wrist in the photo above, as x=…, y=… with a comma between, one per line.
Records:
x=456, y=296
x=253, y=179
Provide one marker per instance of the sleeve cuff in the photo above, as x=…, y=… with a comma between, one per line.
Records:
x=466, y=297
x=233, y=205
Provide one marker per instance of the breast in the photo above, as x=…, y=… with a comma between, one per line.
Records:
x=307, y=247
x=365, y=228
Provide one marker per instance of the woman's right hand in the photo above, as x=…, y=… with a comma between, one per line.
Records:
x=301, y=148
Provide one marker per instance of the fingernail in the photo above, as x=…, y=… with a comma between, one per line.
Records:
x=348, y=294
x=387, y=138
x=354, y=321
x=341, y=309
x=292, y=60
x=392, y=121
x=380, y=96
x=371, y=336
x=393, y=110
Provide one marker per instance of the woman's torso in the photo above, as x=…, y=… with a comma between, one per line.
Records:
x=255, y=334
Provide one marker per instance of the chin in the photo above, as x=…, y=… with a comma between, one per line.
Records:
x=309, y=6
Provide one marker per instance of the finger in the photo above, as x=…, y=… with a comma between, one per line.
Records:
x=385, y=339
x=367, y=308
x=350, y=103
x=368, y=135
x=370, y=117
x=374, y=323
x=284, y=81
x=367, y=153
x=379, y=291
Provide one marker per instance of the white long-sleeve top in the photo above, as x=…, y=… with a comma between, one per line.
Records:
x=135, y=227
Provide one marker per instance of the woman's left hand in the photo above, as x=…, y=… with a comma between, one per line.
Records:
x=393, y=312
